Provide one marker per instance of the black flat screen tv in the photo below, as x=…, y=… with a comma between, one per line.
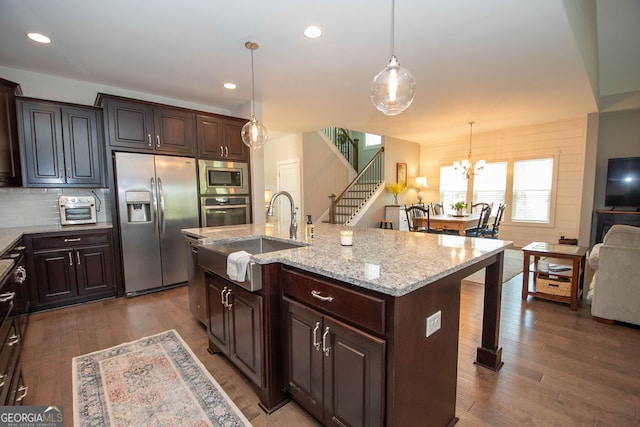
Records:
x=623, y=183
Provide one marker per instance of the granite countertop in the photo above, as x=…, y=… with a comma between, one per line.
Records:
x=9, y=236
x=387, y=261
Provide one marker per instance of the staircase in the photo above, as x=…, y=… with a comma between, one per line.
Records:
x=345, y=207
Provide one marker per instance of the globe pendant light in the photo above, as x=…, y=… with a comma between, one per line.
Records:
x=394, y=88
x=253, y=133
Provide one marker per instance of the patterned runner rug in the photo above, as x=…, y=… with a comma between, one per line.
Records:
x=155, y=380
x=511, y=266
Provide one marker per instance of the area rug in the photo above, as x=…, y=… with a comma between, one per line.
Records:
x=511, y=267
x=154, y=381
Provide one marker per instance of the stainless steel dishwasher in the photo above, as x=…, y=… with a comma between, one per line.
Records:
x=195, y=277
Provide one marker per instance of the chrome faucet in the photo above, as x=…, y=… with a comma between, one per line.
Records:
x=293, y=228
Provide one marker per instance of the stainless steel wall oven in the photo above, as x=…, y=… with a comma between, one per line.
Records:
x=225, y=210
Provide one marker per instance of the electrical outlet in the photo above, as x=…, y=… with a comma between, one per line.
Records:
x=434, y=322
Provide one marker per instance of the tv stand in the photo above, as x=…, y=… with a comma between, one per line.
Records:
x=605, y=219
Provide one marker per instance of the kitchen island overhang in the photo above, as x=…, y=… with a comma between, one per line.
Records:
x=418, y=274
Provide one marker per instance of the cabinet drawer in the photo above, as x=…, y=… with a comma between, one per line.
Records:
x=69, y=240
x=10, y=340
x=362, y=309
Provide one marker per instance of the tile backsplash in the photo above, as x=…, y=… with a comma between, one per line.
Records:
x=26, y=207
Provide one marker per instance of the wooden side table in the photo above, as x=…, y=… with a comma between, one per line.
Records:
x=572, y=271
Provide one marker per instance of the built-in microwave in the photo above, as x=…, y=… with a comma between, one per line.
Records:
x=218, y=177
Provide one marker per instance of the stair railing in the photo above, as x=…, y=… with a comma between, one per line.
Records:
x=345, y=144
x=370, y=176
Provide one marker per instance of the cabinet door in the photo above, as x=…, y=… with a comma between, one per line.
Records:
x=245, y=332
x=235, y=148
x=130, y=125
x=93, y=270
x=10, y=169
x=174, y=131
x=304, y=356
x=209, y=135
x=82, y=146
x=55, y=275
x=354, y=364
x=41, y=139
x=218, y=325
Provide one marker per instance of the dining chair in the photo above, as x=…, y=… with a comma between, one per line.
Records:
x=479, y=204
x=415, y=211
x=492, y=231
x=483, y=221
x=437, y=208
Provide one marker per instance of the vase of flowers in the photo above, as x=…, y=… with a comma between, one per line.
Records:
x=395, y=189
x=459, y=207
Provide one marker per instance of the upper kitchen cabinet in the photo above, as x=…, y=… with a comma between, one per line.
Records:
x=145, y=127
x=10, y=173
x=219, y=138
x=61, y=144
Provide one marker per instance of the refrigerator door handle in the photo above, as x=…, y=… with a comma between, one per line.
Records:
x=154, y=204
x=160, y=207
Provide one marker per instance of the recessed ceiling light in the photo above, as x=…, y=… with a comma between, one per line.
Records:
x=230, y=86
x=40, y=38
x=312, y=32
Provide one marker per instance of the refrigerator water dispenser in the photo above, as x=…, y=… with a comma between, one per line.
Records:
x=138, y=206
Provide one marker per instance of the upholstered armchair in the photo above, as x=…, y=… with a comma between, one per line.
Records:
x=614, y=291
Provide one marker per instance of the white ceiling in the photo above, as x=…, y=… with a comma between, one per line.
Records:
x=500, y=63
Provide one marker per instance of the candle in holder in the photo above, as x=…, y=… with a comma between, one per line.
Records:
x=346, y=238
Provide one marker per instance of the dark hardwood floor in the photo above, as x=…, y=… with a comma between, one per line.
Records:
x=561, y=368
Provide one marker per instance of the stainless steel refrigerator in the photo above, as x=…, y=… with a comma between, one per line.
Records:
x=157, y=197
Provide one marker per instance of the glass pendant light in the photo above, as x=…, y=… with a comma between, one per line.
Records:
x=253, y=133
x=394, y=88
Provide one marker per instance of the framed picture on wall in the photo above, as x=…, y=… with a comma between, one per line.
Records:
x=401, y=173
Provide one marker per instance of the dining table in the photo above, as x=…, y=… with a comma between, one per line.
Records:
x=459, y=223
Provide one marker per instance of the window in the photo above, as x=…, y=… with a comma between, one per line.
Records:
x=490, y=185
x=532, y=190
x=453, y=187
x=371, y=140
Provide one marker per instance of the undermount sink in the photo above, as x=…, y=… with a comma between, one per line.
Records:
x=213, y=257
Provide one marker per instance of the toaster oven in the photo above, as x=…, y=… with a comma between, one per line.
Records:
x=77, y=210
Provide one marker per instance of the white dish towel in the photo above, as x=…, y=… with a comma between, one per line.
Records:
x=237, y=263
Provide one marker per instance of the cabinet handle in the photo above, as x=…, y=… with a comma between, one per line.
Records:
x=224, y=304
x=149, y=139
x=318, y=295
x=7, y=296
x=68, y=173
x=21, y=275
x=70, y=259
x=13, y=340
x=24, y=390
x=316, y=342
x=158, y=141
x=222, y=151
x=78, y=257
x=2, y=378
x=226, y=301
x=325, y=349
x=226, y=151
x=75, y=239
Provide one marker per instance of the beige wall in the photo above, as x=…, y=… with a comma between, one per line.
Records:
x=564, y=140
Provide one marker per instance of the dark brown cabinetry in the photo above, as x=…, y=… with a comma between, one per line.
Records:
x=335, y=370
x=235, y=325
x=219, y=138
x=10, y=172
x=12, y=388
x=69, y=268
x=146, y=127
x=61, y=144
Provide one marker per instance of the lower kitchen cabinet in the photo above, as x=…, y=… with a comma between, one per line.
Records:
x=235, y=325
x=335, y=369
x=69, y=268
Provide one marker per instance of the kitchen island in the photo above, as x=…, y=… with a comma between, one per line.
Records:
x=381, y=319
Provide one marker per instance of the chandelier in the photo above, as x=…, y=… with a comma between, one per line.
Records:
x=466, y=168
